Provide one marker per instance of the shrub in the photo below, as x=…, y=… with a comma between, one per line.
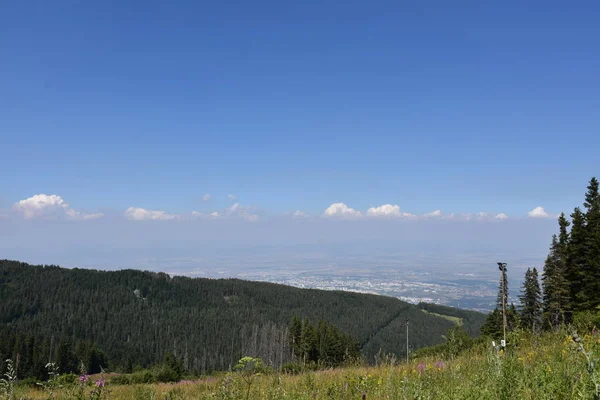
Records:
x=142, y=376
x=67, y=379
x=166, y=374
x=585, y=321
x=29, y=382
x=292, y=368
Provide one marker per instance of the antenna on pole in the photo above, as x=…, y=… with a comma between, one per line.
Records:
x=502, y=268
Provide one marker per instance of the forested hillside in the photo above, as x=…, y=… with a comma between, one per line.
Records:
x=130, y=318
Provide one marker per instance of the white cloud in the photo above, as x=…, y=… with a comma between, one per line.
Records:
x=231, y=197
x=299, y=214
x=434, y=214
x=341, y=210
x=77, y=215
x=43, y=205
x=389, y=211
x=141, y=214
x=206, y=197
x=237, y=210
x=386, y=210
x=538, y=212
x=501, y=216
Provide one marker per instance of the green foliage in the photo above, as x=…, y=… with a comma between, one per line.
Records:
x=589, y=296
x=531, y=302
x=7, y=383
x=121, y=319
x=457, y=341
x=470, y=321
x=586, y=321
x=323, y=345
x=144, y=392
x=250, y=365
x=544, y=366
x=576, y=258
x=69, y=379
x=292, y=368
x=92, y=358
x=66, y=360
x=556, y=287
x=571, y=278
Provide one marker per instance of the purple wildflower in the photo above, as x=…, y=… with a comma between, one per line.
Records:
x=101, y=382
x=421, y=367
x=439, y=364
x=84, y=378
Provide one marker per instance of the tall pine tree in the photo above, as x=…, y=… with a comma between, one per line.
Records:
x=531, y=301
x=556, y=287
x=576, y=259
x=590, y=296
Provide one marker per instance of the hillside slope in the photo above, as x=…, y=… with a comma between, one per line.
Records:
x=136, y=317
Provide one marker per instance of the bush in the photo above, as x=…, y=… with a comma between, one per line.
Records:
x=67, y=379
x=29, y=382
x=142, y=376
x=166, y=374
x=292, y=368
x=121, y=380
x=139, y=377
x=585, y=321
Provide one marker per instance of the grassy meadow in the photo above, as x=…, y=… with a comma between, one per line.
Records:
x=549, y=366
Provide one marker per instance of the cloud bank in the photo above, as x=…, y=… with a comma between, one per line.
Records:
x=341, y=210
x=141, y=214
x=50, y=206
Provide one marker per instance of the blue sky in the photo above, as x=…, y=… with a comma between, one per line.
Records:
x=465, y=107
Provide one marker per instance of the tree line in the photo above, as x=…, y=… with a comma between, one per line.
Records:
x=136, y=318
x=570, y=281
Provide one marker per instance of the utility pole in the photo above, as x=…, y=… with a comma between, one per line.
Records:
x=407, y=340
x=502, y=267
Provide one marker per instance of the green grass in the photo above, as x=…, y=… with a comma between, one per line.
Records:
x=455, y=320
x=534, y=367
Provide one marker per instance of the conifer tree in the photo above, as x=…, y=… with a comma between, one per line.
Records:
x=493, y=324
x=512, y=317
x=531, y=305
x=576, y=259
x=556, y=287
x=563, y=236
x=591, y=271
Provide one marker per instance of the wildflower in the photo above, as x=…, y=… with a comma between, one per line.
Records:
x=84, y=378
x=421, y=367
x=439, y=365
x=380, y=381
x=101, y=382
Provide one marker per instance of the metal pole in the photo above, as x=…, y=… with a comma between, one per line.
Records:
x=407, y=340
x=502, y=267
x=504, y=306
